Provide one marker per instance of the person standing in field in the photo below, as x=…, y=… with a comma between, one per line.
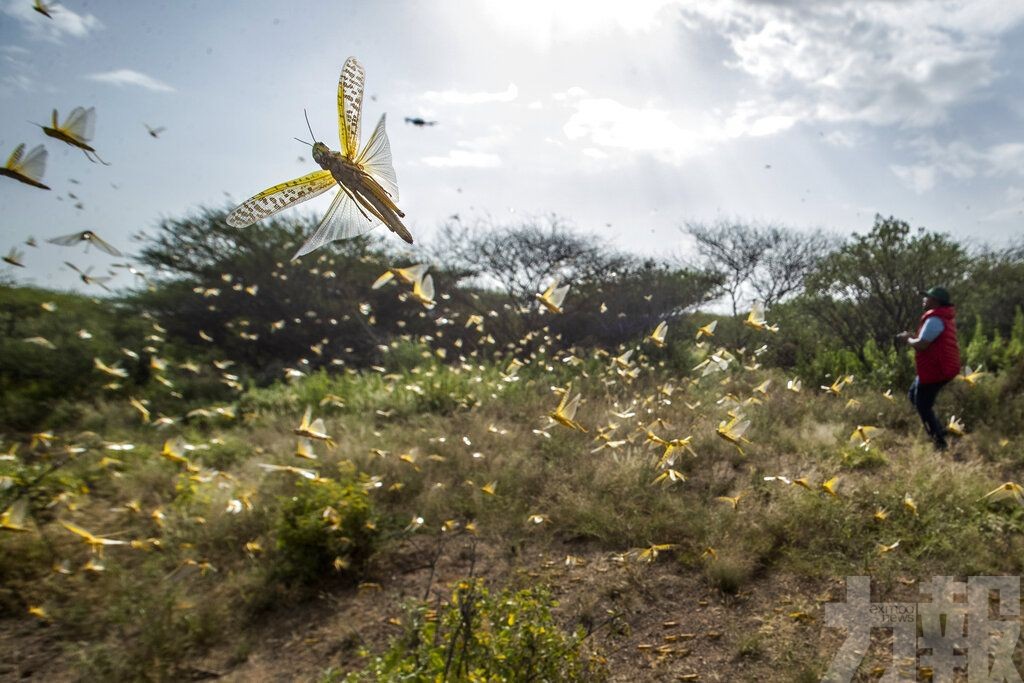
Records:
x=936, y=356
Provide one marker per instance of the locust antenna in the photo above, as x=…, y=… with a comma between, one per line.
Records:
x=303, y=142
x=309, y=126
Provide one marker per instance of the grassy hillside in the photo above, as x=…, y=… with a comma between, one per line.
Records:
x=453, y=526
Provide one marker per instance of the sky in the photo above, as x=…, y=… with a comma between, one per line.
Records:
x=627, y=119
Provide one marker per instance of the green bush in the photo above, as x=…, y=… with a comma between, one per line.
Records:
x=477, y=636
x=35, y=379
x=874, y=365
x=995, y=352
x=996, y=401
x=327, y=528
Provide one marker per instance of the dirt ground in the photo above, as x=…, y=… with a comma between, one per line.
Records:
x=652, y=622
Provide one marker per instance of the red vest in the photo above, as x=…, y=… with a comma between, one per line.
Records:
x=940, y=362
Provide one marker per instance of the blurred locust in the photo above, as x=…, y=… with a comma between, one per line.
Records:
x=26, y=168
x=77, y=130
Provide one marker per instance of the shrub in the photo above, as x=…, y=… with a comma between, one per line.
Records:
x=326, y=528
x=477, y=636
x=33, y=379
x=996, y=401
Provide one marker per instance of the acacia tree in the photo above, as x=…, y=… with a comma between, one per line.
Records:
x=996, y=280
x=643, y=294
x=614, y=296
x=241, y=289
x=770, y=261
x=521, y=258
x=870, y=288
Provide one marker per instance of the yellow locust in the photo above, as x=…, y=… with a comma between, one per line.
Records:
x=77, y=131
x=552, y=297
x=369, y=187
x=26, y=168
x=565, y=413
x=658, y=336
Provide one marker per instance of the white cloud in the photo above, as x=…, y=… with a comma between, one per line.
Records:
x=905, y=63
x=1012, y=210
x=542, y=23
x=756, y=119
x=462, y=158
x=20, y=82
x=838, y=138
x=962, y=160
x=846, y=63
x=64, y=21
x=920, y=179
x=959, y=160
x=601, y=122
x=459, y=97
x=1004, y=158
x=669, y=135
x=575, y=92
x=129, y=77
x=495, y=137
x=22, y=74
x=482, y=151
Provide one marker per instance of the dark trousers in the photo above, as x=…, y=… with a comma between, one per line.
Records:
x=923, y=397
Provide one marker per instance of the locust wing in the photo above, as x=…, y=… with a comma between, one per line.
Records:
x=569, y=408
x=413, y=273
x=280, y=197
x=103, y=245
x=343, y=219
x=376, y=160
x=385, y=277
x=67, y=240
x=416, y=271
x=85, y=236
x=350, y=105
x=12, y=161
x=80, y=124
x=658, y=336
x=75, y=529
x=423, y=289
x=558, y=295
x=737, y=428
x=14, y=518
x=756, y=314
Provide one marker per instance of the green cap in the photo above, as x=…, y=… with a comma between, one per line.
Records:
x=939, y=294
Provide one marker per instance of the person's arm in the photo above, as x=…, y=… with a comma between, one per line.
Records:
x=930, y=331
x=919, y=344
